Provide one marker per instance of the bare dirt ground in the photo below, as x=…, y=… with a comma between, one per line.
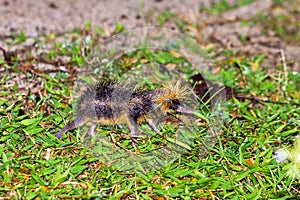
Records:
x=226, y=30
x=35, y=17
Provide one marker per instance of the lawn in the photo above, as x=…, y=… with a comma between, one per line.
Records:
x=243, y=113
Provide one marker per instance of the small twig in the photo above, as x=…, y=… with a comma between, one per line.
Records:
x=5, y=53
x=260, y=99
x=118, y=143
x=284, y=70
x=264, y=100
x=40, y=34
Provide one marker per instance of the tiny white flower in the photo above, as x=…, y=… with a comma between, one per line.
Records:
x=281, y=155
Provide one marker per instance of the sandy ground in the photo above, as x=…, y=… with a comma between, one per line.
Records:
x=34, y=17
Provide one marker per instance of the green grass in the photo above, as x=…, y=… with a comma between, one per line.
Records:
x=284, y=25
x=36, y=165
x=219, y=7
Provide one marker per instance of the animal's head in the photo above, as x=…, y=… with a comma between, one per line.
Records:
x=172, y=94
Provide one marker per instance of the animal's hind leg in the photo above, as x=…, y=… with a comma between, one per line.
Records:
x=91, y=131
x=132, y=125
x=72, y=125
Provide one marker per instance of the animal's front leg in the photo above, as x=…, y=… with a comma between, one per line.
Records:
x=153, y=125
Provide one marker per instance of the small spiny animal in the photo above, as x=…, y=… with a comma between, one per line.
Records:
x=111, y=103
